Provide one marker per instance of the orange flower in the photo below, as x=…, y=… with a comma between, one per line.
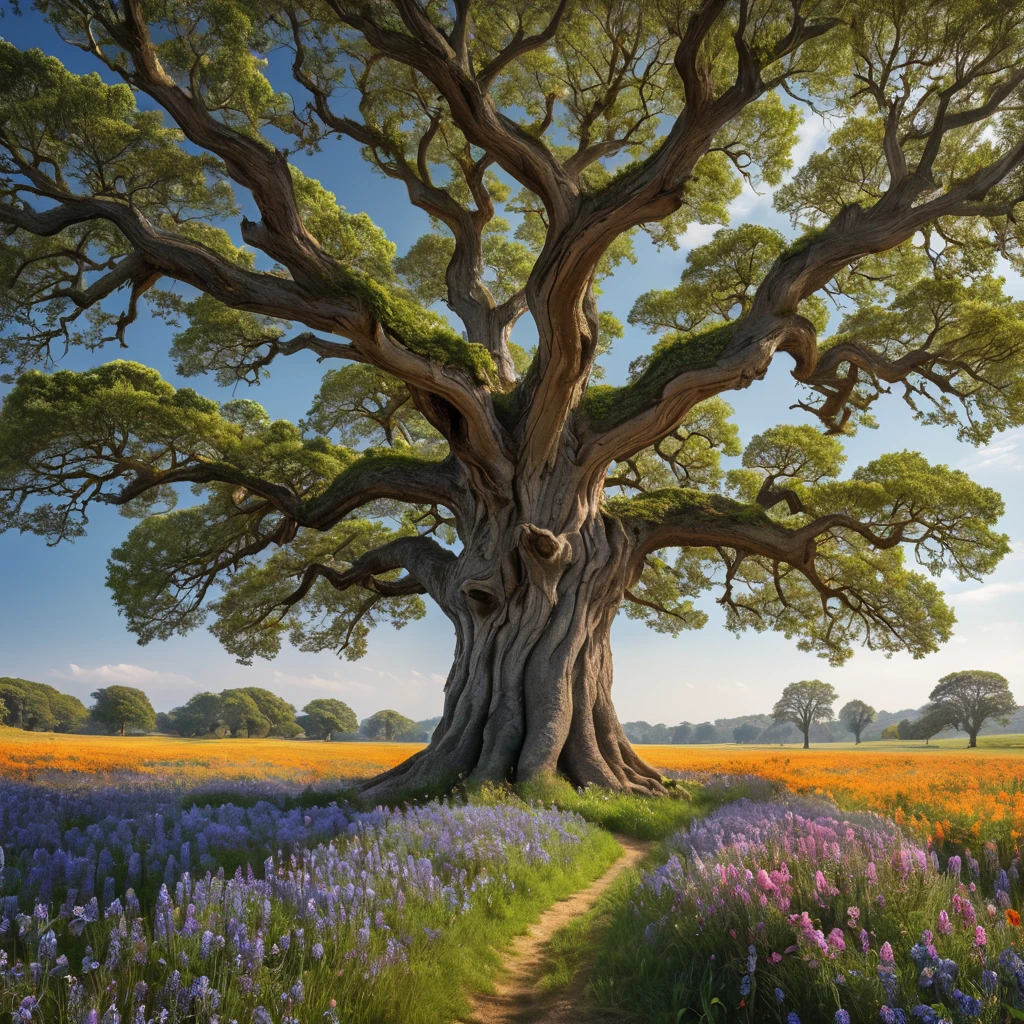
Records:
x=941, y=792
x=28, y=755
x=1012, y=917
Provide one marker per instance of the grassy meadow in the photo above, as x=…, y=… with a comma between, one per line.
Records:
x=153, y=879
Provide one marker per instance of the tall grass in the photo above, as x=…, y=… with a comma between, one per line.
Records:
x=642, y=817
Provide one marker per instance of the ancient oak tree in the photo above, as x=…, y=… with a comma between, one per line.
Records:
x=544, y=140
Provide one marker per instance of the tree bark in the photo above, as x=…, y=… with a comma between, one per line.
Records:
x=972, y=738
x=529, y=692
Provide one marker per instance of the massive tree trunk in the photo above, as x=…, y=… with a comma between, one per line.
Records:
x=529, y=693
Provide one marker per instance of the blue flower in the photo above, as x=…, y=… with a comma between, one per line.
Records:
x=26, y=1009
x=968, y=1005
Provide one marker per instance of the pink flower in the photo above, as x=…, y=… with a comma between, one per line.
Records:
x=980, y=938
x=885, y=955
x=945, y=926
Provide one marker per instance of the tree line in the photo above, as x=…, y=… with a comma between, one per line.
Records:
x=962, y=700
x=243, y=712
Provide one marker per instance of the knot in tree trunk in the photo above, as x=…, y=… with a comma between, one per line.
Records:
x=545, y=556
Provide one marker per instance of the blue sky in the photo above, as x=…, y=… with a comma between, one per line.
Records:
x=59, y=625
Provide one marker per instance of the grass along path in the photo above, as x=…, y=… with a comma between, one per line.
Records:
x=518, y=996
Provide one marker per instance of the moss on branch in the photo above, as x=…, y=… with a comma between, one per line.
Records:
x=422, y=331
x=684, y=505
x=605, y=406
x=360, y=474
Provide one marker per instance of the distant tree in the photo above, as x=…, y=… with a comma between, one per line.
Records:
x=706, y=732
x=40, y=706
x=69, y=713
x=428, y=725
x=967, y=699
x=637, y=732
x=891, y=732
x=276, y=710
x=165, y=723
x=3, y=713
x=682, y=733
x=390, y=725
x=925, y=727
x=856, y=716
x=28, y=706
x=905, y=729
x=332, y=716
x=659, y=734
x=201, y=715
x=805, y=704
x=120, y=708
x=779, y=732
x=747, y=733
x=243, y=715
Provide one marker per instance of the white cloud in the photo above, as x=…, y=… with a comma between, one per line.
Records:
x=696, y=234
x=285, y=682
x=1006, y=451
x=1016, y=551
x=811, y=136
x=989, y=592
x=735, y=685
x=124, y=675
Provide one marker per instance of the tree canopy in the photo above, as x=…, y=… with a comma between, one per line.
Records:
x=805, y=703
x=967, y=699
x=390, y=725
x=120, y=708
x=542, y=140
x=32, y=705
x=326, y=715
x=856, y=716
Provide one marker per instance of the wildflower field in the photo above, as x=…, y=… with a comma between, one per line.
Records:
x=142, y=904
x=153, y=880
x=789, y=911
x=25, y=755
x=944, y=793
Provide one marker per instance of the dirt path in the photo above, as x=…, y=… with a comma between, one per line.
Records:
x=515, y=999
